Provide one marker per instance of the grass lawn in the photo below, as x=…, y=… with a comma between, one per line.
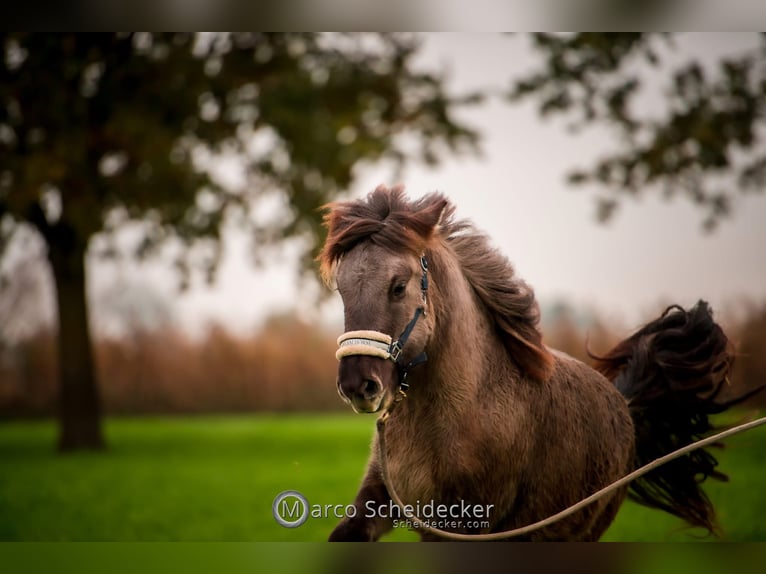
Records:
x=214, y=479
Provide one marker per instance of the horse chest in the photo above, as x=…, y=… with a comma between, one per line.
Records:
x=443, y=471
x=413, y=476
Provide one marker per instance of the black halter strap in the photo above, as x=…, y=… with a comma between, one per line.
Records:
x=397, y=346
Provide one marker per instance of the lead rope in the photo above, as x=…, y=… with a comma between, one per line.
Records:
x=381, y=426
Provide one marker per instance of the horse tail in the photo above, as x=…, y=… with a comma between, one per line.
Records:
x=671, y=371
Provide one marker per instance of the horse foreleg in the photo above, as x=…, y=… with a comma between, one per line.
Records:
x=364, y=525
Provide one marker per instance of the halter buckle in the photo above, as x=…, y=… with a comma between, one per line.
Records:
x=395, y=351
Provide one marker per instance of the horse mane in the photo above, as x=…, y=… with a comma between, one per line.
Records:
x=509, y=300
x=388, y=219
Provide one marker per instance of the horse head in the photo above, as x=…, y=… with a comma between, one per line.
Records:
x=375, y=251
x=387, y=324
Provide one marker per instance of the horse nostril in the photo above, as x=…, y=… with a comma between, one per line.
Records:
x=370, y=388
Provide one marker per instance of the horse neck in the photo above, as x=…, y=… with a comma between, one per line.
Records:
x=463, y=340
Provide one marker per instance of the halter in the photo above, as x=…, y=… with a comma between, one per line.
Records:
x=377, y=344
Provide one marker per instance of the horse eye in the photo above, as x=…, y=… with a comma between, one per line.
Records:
x=399, y=290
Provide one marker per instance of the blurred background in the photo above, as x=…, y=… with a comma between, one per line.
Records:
x=160, y=208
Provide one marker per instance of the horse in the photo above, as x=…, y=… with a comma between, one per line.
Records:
x=494, y=421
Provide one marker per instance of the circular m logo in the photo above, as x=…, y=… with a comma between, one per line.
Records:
x=290, y=508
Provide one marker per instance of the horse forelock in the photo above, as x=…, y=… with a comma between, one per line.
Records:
x=384, y=217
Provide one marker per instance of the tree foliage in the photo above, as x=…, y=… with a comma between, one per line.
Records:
x=97, y=130
x=706, y=142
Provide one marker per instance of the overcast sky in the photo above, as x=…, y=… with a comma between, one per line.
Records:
x=652, y=252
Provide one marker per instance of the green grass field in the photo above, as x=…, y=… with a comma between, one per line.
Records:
x=214, y=479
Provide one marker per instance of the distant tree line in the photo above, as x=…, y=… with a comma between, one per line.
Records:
x=287, y=365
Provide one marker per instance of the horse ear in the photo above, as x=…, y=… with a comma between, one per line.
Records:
x=434, y=209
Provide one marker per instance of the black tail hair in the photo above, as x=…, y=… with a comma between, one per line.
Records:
x=671, y=371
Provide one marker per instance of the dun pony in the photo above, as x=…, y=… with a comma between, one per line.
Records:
x=494, y=421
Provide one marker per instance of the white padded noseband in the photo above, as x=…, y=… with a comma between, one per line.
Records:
x=372, y=343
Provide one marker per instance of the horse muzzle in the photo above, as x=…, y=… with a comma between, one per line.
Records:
x=362, y=382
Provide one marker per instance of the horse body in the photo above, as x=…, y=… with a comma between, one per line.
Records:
x=494, y=417
x=510, y=451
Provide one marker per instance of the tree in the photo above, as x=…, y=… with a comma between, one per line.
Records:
x=99, y=131
x=705, y=144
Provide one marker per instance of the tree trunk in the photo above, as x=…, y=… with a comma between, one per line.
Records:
x=79, y=405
